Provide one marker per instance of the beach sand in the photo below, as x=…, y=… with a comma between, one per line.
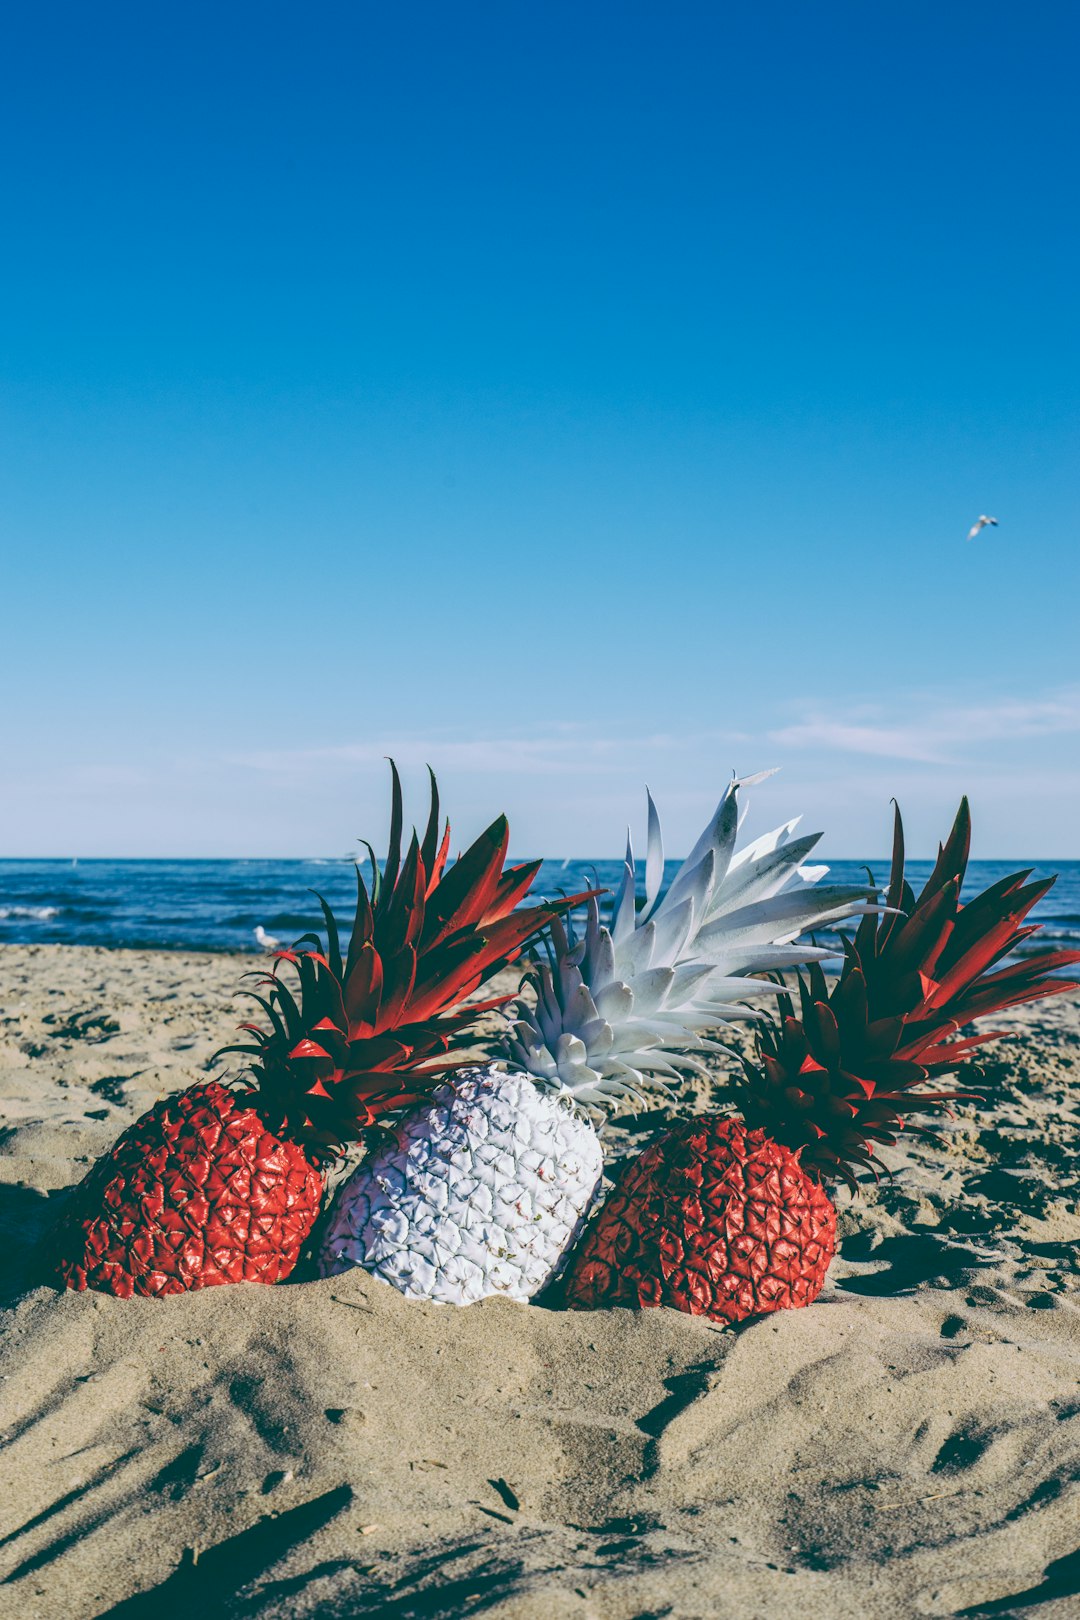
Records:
x=908, y=1445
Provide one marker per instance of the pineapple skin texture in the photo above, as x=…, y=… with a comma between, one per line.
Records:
x=484, y=1191
x=714, y=1219
x=196, y=1192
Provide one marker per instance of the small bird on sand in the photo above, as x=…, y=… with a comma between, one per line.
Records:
x=981, y=523
x=267, y=941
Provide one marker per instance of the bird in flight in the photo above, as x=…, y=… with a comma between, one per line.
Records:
x=981, y=523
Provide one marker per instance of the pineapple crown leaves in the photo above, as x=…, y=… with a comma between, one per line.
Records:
x=936, y=962
x=624, y=1008
x=371, y=1026
x=843, y=1074
x=829, y=1081
x=740, y=911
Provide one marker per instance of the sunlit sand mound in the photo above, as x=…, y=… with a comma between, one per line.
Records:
x=909, y=1444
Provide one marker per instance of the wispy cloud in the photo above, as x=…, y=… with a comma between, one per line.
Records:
x=563, y=751
x=570, y=789
x=840, y=736
x=936, y=734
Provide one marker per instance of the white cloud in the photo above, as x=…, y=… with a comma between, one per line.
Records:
x=939, y=735
x=839, y=736
x=569, y=790
x=565, y=751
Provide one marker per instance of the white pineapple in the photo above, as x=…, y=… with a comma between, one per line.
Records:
x=484, y=1190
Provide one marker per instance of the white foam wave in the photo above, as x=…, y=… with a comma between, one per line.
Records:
x=35, y=913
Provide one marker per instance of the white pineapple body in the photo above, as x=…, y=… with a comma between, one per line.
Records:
x=483, y=1191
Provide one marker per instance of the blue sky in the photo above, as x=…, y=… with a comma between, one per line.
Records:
x=572, y=395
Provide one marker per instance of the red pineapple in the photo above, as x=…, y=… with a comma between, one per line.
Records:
x=731, y=1218
x=715, y=1219
x=220, y=1185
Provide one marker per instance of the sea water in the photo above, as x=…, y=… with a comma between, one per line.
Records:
x=216, y=905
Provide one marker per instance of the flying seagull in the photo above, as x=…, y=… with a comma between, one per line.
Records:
x=981, y=523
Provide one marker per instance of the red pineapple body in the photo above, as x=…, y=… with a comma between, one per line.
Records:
x=198, y=1191
x=714, y=1219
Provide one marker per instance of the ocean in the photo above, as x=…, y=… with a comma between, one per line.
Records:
x=216, y=905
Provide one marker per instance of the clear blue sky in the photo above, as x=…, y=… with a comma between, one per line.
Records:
x=572, y=394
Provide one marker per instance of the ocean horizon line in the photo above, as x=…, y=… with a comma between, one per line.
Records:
x=513, y=858
x=223, y=903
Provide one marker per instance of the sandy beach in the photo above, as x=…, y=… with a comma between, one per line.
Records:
x=908, y=1445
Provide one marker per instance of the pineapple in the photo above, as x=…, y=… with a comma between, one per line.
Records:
x=731, y=1218
x=220, y=1185
x=485, y=1189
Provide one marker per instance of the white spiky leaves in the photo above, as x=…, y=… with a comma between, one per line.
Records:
x=739, y=911
x=604, y=1030
x=625, y=1007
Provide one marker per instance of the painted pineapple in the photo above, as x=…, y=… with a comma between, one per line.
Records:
x=730, y=1218
x=485, y=1189
x=221, y=1185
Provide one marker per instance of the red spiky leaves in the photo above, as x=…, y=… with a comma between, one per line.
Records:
x=830, y=1083
x=935, y=964
x=840, y=1079
x=373, y=1030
